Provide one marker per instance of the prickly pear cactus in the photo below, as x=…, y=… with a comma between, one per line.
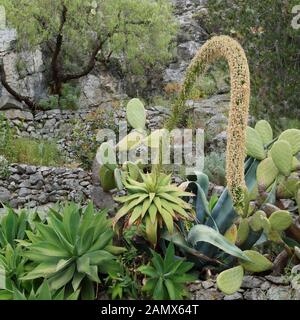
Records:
x=230, y=281
x=258, y=262
x=280, y=220
x=282, y=156
x=136, y=114
x=254, y=144
x=265, y=131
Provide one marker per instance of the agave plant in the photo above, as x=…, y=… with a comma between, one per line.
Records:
x=12, y=226
x=71, y=249
x=166, y=278
x=12, y=268
x=44, y=292
x=155, y=202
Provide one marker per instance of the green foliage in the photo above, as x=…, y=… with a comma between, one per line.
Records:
x=257, y=263
x=264, y=30
x=123, y=285
x=166, y=277
x=35, y=152
x=202, y=233
x=132, y=29
x=214, y=168
x=13, y=226
x=154, y=202
x=6, y=138
x=83, y=138
x=45, y=293
x=26, y=150
x=72, y=248
x=230, y=281
x=12, y=268
x=68, y=100
x=4, y=168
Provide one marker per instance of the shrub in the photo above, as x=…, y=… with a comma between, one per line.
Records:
x=272, y=46
x=83, y=138
x=6, y=137
x=68, y=100
x=214, y=167
x=4, y=168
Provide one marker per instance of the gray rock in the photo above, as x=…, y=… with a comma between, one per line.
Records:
x=207, y=294
x=235, y=296
x=250, y=282
x=277, y=280
x=279, y=293
x=102, y=199
x=18, y=114
x=255, y=294
x=8, y=102
x=208, y=284
x=30, y=169
x=265, y=286
x=24, y=192
x=34, y=179
x=5, y=195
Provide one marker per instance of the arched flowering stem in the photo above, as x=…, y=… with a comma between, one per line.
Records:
x=216, y=48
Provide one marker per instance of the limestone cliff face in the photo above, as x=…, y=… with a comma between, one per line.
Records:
x=189, y=39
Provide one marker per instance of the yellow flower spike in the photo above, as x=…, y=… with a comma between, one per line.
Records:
x=216, y=48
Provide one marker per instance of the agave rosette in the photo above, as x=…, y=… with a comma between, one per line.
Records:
x=155, y=202
x=72, y=248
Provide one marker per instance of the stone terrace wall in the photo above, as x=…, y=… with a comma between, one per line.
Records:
x=58, y=124
x=36, y=186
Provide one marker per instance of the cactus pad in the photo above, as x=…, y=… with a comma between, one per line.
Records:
x=136, y=114
x=292, y=136
x=266, y=172
x=282, y=156
x=280, y=220
x=265, y=131
x=258, y=263
x=254, y=144
x=230, y=281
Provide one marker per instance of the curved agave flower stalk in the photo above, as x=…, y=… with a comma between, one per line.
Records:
x=216, y=48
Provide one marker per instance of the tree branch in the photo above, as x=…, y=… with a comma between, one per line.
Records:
x=31, y=104
x=59, y=42
x=92, y=61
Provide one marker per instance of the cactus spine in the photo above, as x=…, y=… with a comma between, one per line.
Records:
x=216, y=48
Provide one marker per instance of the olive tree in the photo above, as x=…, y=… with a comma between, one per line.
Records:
x=79, y=34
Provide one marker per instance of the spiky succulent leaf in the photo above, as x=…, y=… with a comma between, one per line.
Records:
x=166, y=277
x=72, y=247
x=154, y=201
x=200, y=233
